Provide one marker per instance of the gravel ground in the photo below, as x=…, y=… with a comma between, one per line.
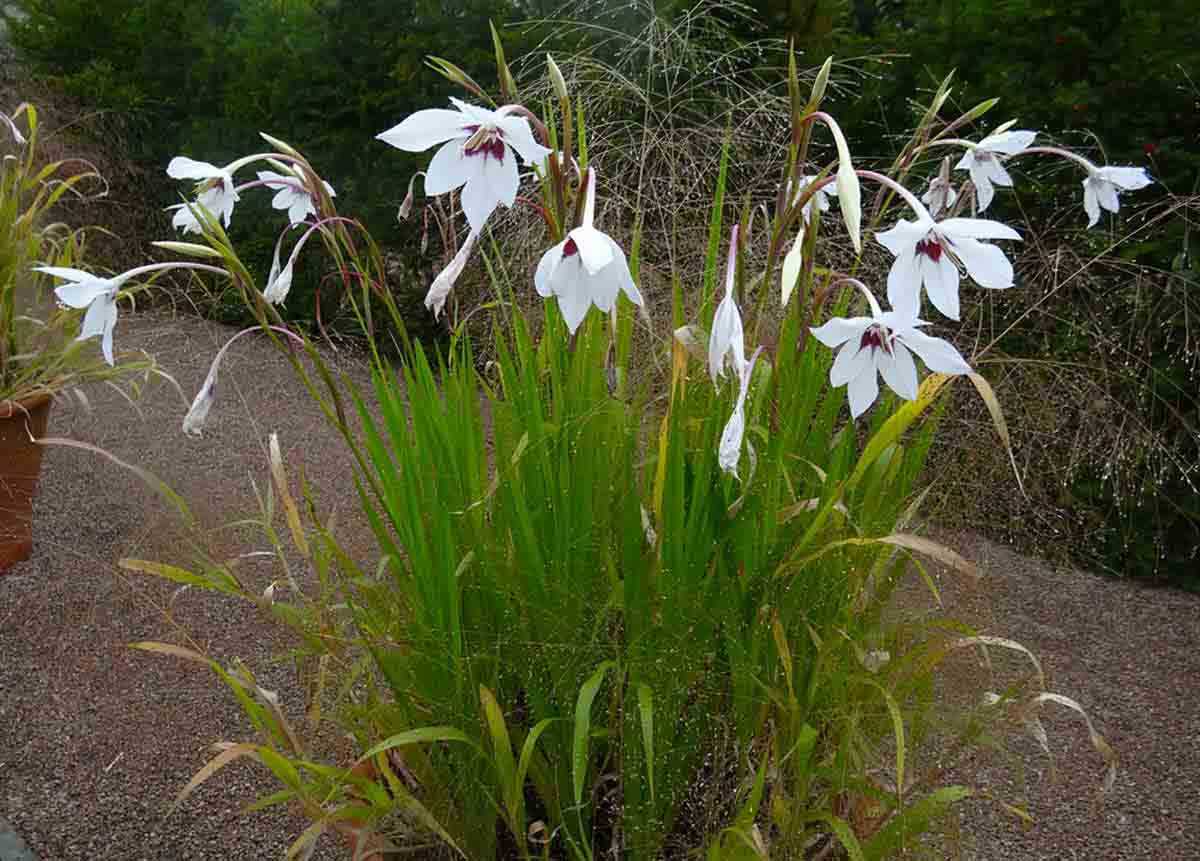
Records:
x=95, y=739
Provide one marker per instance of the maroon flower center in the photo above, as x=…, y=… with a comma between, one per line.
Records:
x=570, y=248
x=876, y=337
x=484, y=142
x=931, y=248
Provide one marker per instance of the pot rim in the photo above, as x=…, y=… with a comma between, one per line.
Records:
x=14, y=407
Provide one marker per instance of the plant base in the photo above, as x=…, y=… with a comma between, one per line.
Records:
x=21, y=422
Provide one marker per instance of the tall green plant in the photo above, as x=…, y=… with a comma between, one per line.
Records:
x=614, y=613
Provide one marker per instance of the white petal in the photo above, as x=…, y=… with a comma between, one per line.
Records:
x=544, y=275
x=729, y=451
x=1127, y=178
x=851, y=361
x=941, y=284
x=862, y=391
x=1106, y=193
x=420, y=131
x=624, y=277
x=475, y=114
x=301, y=207
x=595, y=249
x=905, y=234
x=479, y=200
x=184, y=219
x=519, y=136
x=277, y=290
x=791, y=267
x=442, y=284
x=904, y=281
x=981, y=179
x=839, y=330
x=504, y=176
x=1091, y=200
x=976, y=228
x=899, y=371
x=997, y=174
x=82, y=295
x=967, y=161
x=110, y=323
x=727, y=337
x=986, y=264
x=18, y=138
x=182, y=167
x=573, y=299
x=67, y=273
x=447, y=169
x=95, y=318
x=1008, y=143
x=937, y=354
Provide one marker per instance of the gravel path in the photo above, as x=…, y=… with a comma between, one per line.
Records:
x=95, y=739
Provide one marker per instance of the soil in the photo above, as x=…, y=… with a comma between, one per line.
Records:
x=96, y=739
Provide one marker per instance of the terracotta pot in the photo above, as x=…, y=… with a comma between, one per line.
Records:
x=20, y=464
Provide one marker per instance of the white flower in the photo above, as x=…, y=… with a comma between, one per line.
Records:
x=726, y=341
x=279, y=281
x=98, y=295
x=1102, y=184
x=435, y=299
x=587, y=268
x=214, y=191
x=983, y=161
x=928, y=253
x=292, y=196
x=18, y=138
x=820, y=198
x=476, y=154
x=880, y=345
x=940, y=196
x=729, y=450
x=790, y=271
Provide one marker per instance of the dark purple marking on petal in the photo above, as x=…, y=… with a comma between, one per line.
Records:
x=931, y=248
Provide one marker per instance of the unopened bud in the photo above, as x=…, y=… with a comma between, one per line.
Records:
x=556, y=79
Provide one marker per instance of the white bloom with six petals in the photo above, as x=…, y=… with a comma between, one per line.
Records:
x=928, y=254
x=983, y=161
x=1102, y=184
x=587, y=268
x=98, y=295
x=214, y=191
x=291, y=195
x=882, y=345
x=476, y=154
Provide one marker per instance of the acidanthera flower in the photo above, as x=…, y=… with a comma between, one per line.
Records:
x=983, y=161
x=1102, y=184
x=18, y=138
x=435, y=299
x=726, y=341
x=587, y=268
x=476, y=154
x=729, y=450
x=928, y=254
x=941, y=194
x=214, y=191
x=292, y=196
x=792, y=261
x=99, y=296
x=882, y=345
